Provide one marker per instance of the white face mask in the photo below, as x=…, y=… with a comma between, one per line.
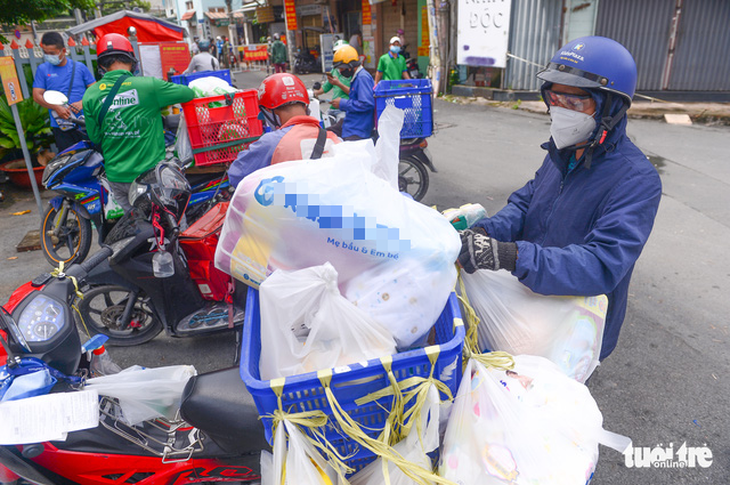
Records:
x=570, y=127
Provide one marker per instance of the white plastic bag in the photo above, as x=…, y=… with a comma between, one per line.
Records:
x=183, y=149
x=145, y=393
x=414, y=448
x=293, y=462
x=210, y=86
x=568, y=330
x=295, y=215
x=388, y=145
x=306, y=325
x=529, y=425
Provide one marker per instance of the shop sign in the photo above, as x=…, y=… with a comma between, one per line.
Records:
x=483, y=33
x=265, y=15
x=309, y=10
x=366, y=13
x=10, y=80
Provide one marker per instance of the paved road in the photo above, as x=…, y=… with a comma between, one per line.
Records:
x=667, y=382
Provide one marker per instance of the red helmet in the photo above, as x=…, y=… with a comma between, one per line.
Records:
x=280, y=89
x=115, y=44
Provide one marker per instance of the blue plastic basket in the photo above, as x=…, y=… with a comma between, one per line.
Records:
x=185, y=79
x=412, y=96
x=304, y=392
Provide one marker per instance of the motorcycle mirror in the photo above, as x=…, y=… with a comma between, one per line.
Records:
x=56, y=98
x=8, y=324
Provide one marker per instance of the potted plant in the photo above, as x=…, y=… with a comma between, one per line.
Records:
x=38, y=136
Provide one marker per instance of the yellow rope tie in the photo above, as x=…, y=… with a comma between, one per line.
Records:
x=59, y=271
x=314, y=421
x=471, y=340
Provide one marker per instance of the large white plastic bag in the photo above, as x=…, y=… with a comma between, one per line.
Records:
x=568, y=330
x=414, y=448
x=145, y=393
x=306, y=325
x=210, y=86
x=295, y=215
x=526, y=426
x=296, y=462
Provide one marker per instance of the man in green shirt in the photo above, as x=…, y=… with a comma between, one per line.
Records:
x=129, y=126
x=392, y=65
x=278, y=55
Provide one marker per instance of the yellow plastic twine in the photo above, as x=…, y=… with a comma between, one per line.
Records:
x=59, y=271
x=496, y=359
x=378, y=446
x=315, y=421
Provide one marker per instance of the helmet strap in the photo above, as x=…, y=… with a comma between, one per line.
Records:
x=607, y=124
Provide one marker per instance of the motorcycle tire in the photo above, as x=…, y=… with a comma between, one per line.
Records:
x=74, y=242
x=412, y=177
x=101, y=308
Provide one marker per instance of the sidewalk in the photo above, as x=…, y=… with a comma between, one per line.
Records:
x=701, y=113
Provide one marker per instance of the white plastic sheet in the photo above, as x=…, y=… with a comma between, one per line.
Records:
x=295, y=462
x=565, y=329
x=390, y=252
x=306, y=325
x=145, y=393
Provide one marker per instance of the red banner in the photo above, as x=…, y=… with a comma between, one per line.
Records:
x=255, y=53
x=174, y=55
x=367, y=16
x=290, y=11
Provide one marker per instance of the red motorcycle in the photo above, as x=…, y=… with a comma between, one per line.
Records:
x=215, y=437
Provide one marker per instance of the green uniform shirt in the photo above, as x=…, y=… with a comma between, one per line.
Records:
x=337, y=91
x=278, y=52
x=132, y=136
x=392, y=68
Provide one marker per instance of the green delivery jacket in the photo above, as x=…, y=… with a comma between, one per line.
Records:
x=132, y=136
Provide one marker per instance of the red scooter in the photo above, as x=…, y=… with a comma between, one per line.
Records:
x=216, y=436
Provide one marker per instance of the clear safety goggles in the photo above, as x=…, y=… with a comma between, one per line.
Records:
x=575, y=102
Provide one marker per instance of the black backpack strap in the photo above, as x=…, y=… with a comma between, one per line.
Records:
x=71, y=84
x=319, y=145
x=110, y=98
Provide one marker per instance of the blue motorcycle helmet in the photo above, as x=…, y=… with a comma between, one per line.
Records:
x=606, y=70
x=593, y=63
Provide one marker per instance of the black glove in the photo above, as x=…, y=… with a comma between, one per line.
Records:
x=479, y=251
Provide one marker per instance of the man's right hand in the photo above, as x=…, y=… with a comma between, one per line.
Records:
x=62, y=111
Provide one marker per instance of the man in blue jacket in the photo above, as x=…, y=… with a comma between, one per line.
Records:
x=360, y=108
x=578, y=227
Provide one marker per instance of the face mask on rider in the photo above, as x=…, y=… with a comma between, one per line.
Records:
x=271, y=118
x=569, y=127
x=347, y=72
x=52, y=59
x=395, y=49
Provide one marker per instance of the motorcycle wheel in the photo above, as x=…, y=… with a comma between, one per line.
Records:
x=73, y=242
x=412, y=177
x=102, y=307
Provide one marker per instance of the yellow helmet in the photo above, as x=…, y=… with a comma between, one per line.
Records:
x=345, y=55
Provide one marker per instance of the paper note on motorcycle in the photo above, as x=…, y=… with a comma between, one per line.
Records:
x=394, y=256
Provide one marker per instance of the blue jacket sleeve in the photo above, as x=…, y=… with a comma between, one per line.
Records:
x=608, y=252
x=363, y=100
x=506, y=225
x=258, y=155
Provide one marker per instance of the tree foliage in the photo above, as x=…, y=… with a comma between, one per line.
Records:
x=22, y=12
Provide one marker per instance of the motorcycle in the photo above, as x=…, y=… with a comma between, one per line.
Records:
x=305, y=62
x=215, y=437
x=77, y=174
x=159, y=276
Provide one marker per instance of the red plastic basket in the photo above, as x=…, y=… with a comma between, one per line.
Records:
x=221, y=126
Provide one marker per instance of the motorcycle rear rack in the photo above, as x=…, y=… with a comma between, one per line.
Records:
x=169, y=433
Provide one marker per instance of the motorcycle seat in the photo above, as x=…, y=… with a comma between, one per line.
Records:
x=219, y=404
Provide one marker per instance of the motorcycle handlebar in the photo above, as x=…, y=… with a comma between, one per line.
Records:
x=96, y=258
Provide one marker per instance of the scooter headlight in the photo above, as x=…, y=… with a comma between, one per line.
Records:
x=53, y=167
